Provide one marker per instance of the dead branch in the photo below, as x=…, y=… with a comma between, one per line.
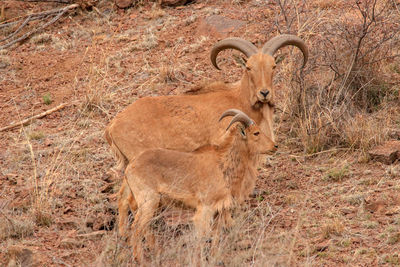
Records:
x=53, y=1
x=17, y=30
x=38, y=116
x=59, y=12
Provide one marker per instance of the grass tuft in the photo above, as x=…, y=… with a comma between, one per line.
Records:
x=47, y=99
x=337, y=174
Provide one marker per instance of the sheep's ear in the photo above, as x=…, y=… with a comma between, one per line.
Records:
x=242, y=131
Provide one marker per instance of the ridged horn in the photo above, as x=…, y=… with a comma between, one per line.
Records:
x=239, y=44
x=282, y=40
x=239, y=116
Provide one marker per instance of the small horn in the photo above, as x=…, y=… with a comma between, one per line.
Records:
x=238, y=116
x=229, y=112
x=239, y=44
x=280, y=41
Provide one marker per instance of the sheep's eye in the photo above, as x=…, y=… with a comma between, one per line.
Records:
x=274, y=67
x=256, y=133
x=248, y=68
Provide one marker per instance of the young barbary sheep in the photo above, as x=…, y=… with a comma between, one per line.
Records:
x=211, y=179
x=186, y=122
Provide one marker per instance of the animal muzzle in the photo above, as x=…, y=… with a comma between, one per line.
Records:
x=270, y=150
x=264, y=95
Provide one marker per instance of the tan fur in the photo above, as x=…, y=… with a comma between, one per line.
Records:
x=186, y=122
x=208, y=88
x=211, y=179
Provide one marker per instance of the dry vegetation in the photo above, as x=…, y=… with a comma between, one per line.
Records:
x=320, y=202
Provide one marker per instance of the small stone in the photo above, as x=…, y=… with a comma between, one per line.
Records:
x=345, y=211
x=218, y=25
x=93, y=235
x=21, y=255
x=322, y=246
x=375, y=206
x=69, y=243
x=386, y=153
x=123, y=3
x=173, y=3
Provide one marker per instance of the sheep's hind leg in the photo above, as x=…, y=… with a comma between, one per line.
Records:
x=148, y=203
x=126, y=200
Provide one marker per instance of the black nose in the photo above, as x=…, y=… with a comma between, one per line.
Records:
x=264, y=93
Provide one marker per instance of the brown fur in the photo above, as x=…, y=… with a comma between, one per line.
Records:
x=186, y=122
x=208, y=88
x=211, y=179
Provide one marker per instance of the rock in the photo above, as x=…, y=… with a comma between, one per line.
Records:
x=21, y=256
x=173, y=3
x=375, y=206
x=322, y=246
x=70, y=243
x=93, y=235
x=104, y=222
x=86, y=4
x=123, y=3
x=345, y=211
x=218, y=25
x=387, y=153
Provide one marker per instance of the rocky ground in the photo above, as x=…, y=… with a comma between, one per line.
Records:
x=339, y=206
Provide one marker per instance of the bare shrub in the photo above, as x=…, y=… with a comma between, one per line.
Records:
x=339, y=98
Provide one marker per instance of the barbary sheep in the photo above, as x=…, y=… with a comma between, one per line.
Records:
x=212, y=179
x=187, y=122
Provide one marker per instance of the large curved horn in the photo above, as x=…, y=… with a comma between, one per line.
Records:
x=239, y=116
x=239, y=44
x=280, y=41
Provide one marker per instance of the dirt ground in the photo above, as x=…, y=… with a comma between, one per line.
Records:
x=57, y=194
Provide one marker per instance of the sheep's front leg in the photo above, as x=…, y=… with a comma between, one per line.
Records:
x=225, y=219
x=202, y=221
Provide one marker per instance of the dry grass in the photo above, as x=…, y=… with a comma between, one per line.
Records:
x=313, y=209
x=177, y=244
x=16, y=227
x=344, y=97
x=147, y=42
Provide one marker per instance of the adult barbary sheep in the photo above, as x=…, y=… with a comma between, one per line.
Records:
x=186, y=122
x=211, y=179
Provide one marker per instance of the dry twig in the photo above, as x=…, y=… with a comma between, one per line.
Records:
x=58, y=12
x=29, y=120
x=53, y=1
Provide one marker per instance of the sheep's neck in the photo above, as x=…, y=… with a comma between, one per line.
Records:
x=235, y=166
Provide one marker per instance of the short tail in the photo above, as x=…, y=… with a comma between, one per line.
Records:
x=121, y=159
